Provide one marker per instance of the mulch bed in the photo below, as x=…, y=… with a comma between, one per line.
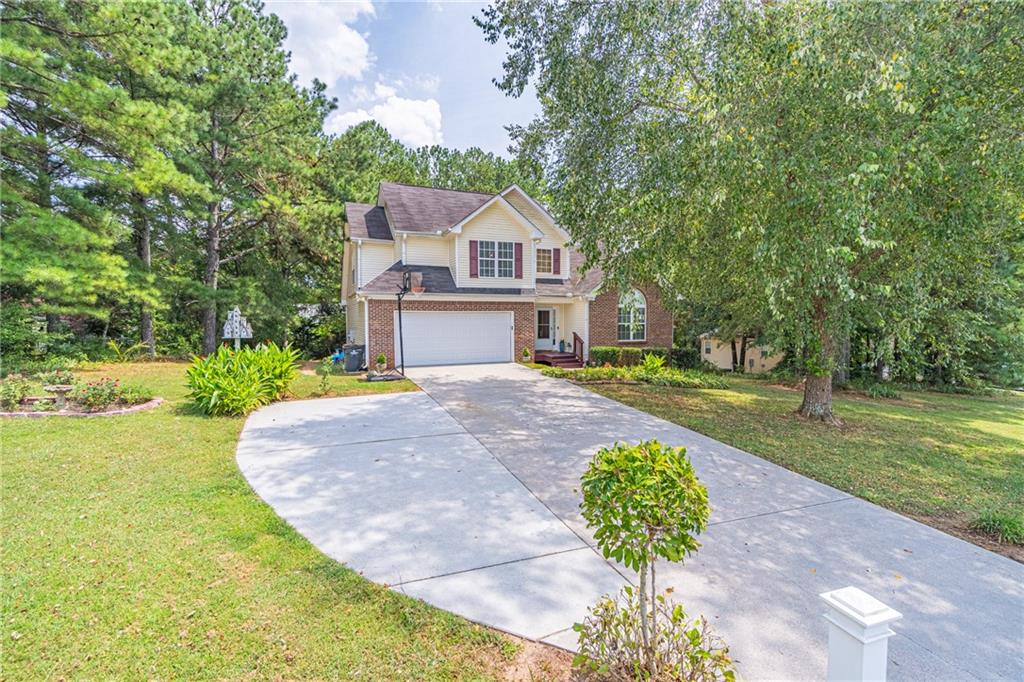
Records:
x=141, y=407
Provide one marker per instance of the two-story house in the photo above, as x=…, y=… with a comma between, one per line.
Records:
x=498, y=275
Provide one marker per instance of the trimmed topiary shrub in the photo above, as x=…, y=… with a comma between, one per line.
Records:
x=229, y=382
x=645, y=502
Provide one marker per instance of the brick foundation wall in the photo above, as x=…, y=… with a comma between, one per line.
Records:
x=604, y=320
x=382, y=322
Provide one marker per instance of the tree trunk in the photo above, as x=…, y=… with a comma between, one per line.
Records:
x=841, y=374
x=643, y=612
x=817, y=403
x=212, y=246
x=732, y=344
x=883, y=371
x=743, y=354
x=144, y=235
x=210, y=278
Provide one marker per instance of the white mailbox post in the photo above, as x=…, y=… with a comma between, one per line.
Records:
x=236, y=327
x=858, y=635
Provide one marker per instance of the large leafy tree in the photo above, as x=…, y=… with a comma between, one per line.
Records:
x=815, y=166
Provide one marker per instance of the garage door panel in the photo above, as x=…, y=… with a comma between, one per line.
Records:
x=448, y=338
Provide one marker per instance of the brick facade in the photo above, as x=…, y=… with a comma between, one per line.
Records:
x=382, y=322
x=604, y=320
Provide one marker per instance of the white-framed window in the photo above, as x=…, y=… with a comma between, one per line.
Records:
x=544, y=261
x=496, y=259
x=632, y=316
x=707, y=347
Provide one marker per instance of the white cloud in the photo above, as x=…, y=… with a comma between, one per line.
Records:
x=416, y=122
x=322, y=43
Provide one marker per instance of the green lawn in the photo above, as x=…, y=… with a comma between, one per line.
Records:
x=942, y=458
x=133, y=548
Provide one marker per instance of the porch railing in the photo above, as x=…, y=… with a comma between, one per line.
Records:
x=577, y=346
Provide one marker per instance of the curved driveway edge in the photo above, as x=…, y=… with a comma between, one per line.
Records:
x=395, y=488
x=466, y=496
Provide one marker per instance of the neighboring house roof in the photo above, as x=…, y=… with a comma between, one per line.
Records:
x=366, y=221
x=437, y=279
x=427, y=209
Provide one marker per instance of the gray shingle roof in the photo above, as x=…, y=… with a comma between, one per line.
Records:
x=366, y=221
x=437, y=279
x=427, y=209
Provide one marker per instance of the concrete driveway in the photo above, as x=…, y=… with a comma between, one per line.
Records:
x=465, y=496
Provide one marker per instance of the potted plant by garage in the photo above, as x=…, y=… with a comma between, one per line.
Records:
x=382, y=363
x=526, y=354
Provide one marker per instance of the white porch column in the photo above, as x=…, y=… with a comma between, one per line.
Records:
x=858, y=635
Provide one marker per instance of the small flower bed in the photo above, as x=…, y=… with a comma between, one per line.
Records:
x=93, y=396
x=651, y=371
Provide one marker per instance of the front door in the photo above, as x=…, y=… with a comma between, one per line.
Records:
x=545, y=329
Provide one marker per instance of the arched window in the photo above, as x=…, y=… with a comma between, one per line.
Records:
x=632, y=316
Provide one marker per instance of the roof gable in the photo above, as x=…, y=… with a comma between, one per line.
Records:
x=497, y=201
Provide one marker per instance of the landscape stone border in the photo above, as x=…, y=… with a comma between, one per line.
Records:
x=141, y=407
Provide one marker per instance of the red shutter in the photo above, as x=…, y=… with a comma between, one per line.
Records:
x=474, y=262
x=519, y=260
x=556, y=261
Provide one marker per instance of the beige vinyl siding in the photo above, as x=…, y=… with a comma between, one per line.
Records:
x=375, y=259
x=454, y=242
x=721, y=355
x=398, y=250
x=575, y=321
x=353, y=320
x=426, y=250
x=552, y=239
x=549, y=243
x=495, y=223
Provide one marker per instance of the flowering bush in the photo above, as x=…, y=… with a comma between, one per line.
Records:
x=105, y=392
x=96, y=395
x=13, y=390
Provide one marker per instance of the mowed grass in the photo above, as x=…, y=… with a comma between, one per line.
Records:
x=945, y=459
x=133, y=548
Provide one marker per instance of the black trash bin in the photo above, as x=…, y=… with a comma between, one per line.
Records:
x=355, y=357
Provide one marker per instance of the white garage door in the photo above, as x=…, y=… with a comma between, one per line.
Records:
x=455, y=338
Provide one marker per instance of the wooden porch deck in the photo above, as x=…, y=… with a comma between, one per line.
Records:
x=557, y=359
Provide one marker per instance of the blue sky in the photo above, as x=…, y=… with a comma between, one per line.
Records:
x=422, y=70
